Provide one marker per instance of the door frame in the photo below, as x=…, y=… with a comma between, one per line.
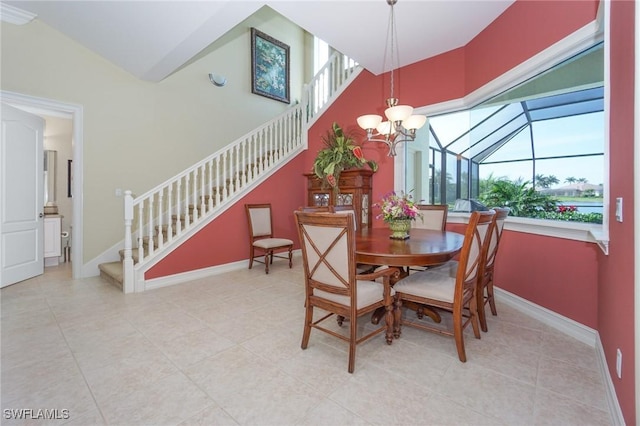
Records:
x=74, y=112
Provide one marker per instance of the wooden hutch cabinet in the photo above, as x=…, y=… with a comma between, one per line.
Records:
x=356, y=190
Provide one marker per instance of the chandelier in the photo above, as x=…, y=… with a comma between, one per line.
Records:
x=401, y=125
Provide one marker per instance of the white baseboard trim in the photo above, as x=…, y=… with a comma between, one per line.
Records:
x=200, y=273
x=574, y=329
x=612, y=399
x=566, y=325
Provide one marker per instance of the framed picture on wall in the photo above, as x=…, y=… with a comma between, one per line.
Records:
x=269, y=67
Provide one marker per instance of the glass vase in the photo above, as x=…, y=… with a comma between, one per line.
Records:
x=399, y=229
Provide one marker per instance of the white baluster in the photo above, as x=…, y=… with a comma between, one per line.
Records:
x=159, y=225
x=244, y=162
x=203, y=206
x=238, y=168
x=224, y=175
x=140, y=231
x=178, y=209
x=217, y=181
x=210, y=184
x=150, y=225
x=187, y=215
x=194, y=195
x=170, y=212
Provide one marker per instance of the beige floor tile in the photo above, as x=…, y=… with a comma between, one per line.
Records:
x=565, y=378
x=488, y=392
x=552, y=409
x=330, y=413
x=226, y=350
x=168, y=401
x=210, y=416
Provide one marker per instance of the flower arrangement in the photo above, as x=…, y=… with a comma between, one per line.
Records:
x=340, y=153
x=398, y=206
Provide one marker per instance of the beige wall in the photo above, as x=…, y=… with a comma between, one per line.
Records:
x=136, y=133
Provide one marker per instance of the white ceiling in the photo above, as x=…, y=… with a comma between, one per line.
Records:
x=151, y=39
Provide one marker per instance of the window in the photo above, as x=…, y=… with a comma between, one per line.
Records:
x=547, y=135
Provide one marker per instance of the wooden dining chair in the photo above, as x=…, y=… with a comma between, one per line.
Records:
x=456, y=295
x=485, y=289
x=328, y=251
x=314, y=209
x=434, y=216
x=262, y=242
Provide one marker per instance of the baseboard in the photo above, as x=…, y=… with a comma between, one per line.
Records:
x=200, y=273
x=612, y=399
x=566, y=325
x=574, y=329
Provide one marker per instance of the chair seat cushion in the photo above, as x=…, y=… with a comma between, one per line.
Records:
x=450, y=268
x=428, y=284
x=269, y=243
x=368, y=293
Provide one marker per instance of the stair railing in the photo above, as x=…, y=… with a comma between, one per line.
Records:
x=159, y=217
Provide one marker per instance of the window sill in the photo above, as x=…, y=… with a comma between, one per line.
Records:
x=587, y=232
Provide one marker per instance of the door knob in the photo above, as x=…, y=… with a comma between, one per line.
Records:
x=41, y=215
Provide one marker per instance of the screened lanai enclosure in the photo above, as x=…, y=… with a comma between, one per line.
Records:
x=547, y=134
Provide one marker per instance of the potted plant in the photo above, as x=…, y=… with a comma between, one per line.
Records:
x=340, y=153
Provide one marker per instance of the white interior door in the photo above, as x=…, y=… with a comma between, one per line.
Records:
x=22, y=196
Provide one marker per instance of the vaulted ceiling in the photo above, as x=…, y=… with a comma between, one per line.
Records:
x=152, y=39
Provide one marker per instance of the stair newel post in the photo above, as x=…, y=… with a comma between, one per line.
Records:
x=127, y=262
x=159, y=214
x=217, y=181
x=169, y=212
x=150, y=225
x=210, y=184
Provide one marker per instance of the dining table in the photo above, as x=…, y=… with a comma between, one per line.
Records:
x=424, y=247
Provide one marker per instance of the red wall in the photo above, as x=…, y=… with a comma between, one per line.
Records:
x=226, y=239
x=616, y=274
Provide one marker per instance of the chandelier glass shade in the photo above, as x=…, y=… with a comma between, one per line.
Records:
x=401, y=124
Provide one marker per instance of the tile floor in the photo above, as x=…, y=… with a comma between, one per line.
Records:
x=225, y=350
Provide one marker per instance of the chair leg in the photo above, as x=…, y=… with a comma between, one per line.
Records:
x=250, y=257
x=492, y=300
x=266, y=262
x=457, y=334
x=308, y=318
x=397, y=317
x=353, y=330
x=290, y=257
x=389, y=320
x=482, y=316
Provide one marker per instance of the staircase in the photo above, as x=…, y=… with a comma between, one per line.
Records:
x=169, y=214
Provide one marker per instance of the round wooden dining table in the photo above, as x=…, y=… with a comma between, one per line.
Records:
x=424, y=247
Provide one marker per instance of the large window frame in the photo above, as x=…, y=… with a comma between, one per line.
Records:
x=575, y=43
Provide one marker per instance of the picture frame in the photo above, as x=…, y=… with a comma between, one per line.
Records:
x=269, y=67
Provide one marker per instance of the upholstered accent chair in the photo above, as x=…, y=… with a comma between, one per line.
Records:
x=262, y=242
x=331, y=284
x=437, y=289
